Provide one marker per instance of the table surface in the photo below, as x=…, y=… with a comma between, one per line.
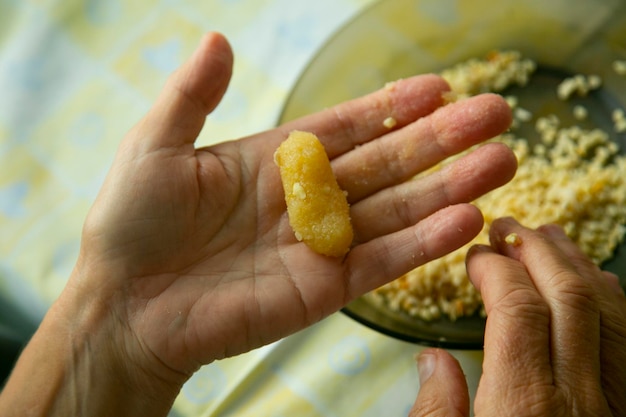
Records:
x=75, y=76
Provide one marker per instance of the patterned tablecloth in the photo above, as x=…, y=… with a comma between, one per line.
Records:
x=75, y=75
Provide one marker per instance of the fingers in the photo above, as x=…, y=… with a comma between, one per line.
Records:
x=611, y=302
x=443, y=389
x=517, y=332
x=378, y=261
x=581, y=261
x=565, y=284
x=192, y=92
x=410, y=150
x=583, y=356
x=358, y=121
x=463, y=181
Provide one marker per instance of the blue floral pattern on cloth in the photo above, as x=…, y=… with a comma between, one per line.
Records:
x=349, y=356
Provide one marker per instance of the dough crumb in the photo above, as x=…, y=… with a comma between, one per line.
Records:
x=390, y=122
x=513, y=239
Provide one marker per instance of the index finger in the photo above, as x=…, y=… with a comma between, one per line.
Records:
x=517, y=333
x=352, y=123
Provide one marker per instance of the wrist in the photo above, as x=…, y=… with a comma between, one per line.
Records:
x=83, y=361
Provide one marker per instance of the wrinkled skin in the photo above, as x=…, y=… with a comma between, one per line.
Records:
x=199, y=238
x=555, y=337
x=187, y=255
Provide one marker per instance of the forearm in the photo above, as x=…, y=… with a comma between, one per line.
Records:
x=74, y=366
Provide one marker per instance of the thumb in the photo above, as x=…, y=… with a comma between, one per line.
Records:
x=443, y=389
x=190, y=94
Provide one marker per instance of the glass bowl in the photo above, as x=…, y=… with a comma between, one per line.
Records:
x=394, y=39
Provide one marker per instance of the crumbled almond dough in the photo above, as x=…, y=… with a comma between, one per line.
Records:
x=449, y=97
x=579, y=84
x=619, y=66
x=580, y=112
x=619, y=120
x=572, y=177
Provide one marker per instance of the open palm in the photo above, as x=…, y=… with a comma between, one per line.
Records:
x=198, y=256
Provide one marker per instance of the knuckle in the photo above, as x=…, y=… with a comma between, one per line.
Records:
x=545, y=405
x=522, y=399
x=571, y=290
x=402, y=210
x=523, y=302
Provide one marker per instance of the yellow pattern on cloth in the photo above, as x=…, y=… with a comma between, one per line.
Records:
x=75, y=76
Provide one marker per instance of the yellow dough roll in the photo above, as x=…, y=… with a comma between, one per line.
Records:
x=318, y=210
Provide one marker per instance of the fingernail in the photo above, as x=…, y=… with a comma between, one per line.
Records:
x=504, y=223
x=553, y=230
x=425, y=366
x=479, y=248
x=507, y=219
x=510, y=221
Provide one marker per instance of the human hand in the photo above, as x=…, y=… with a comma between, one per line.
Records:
x=554, y=339
x=190, y=253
